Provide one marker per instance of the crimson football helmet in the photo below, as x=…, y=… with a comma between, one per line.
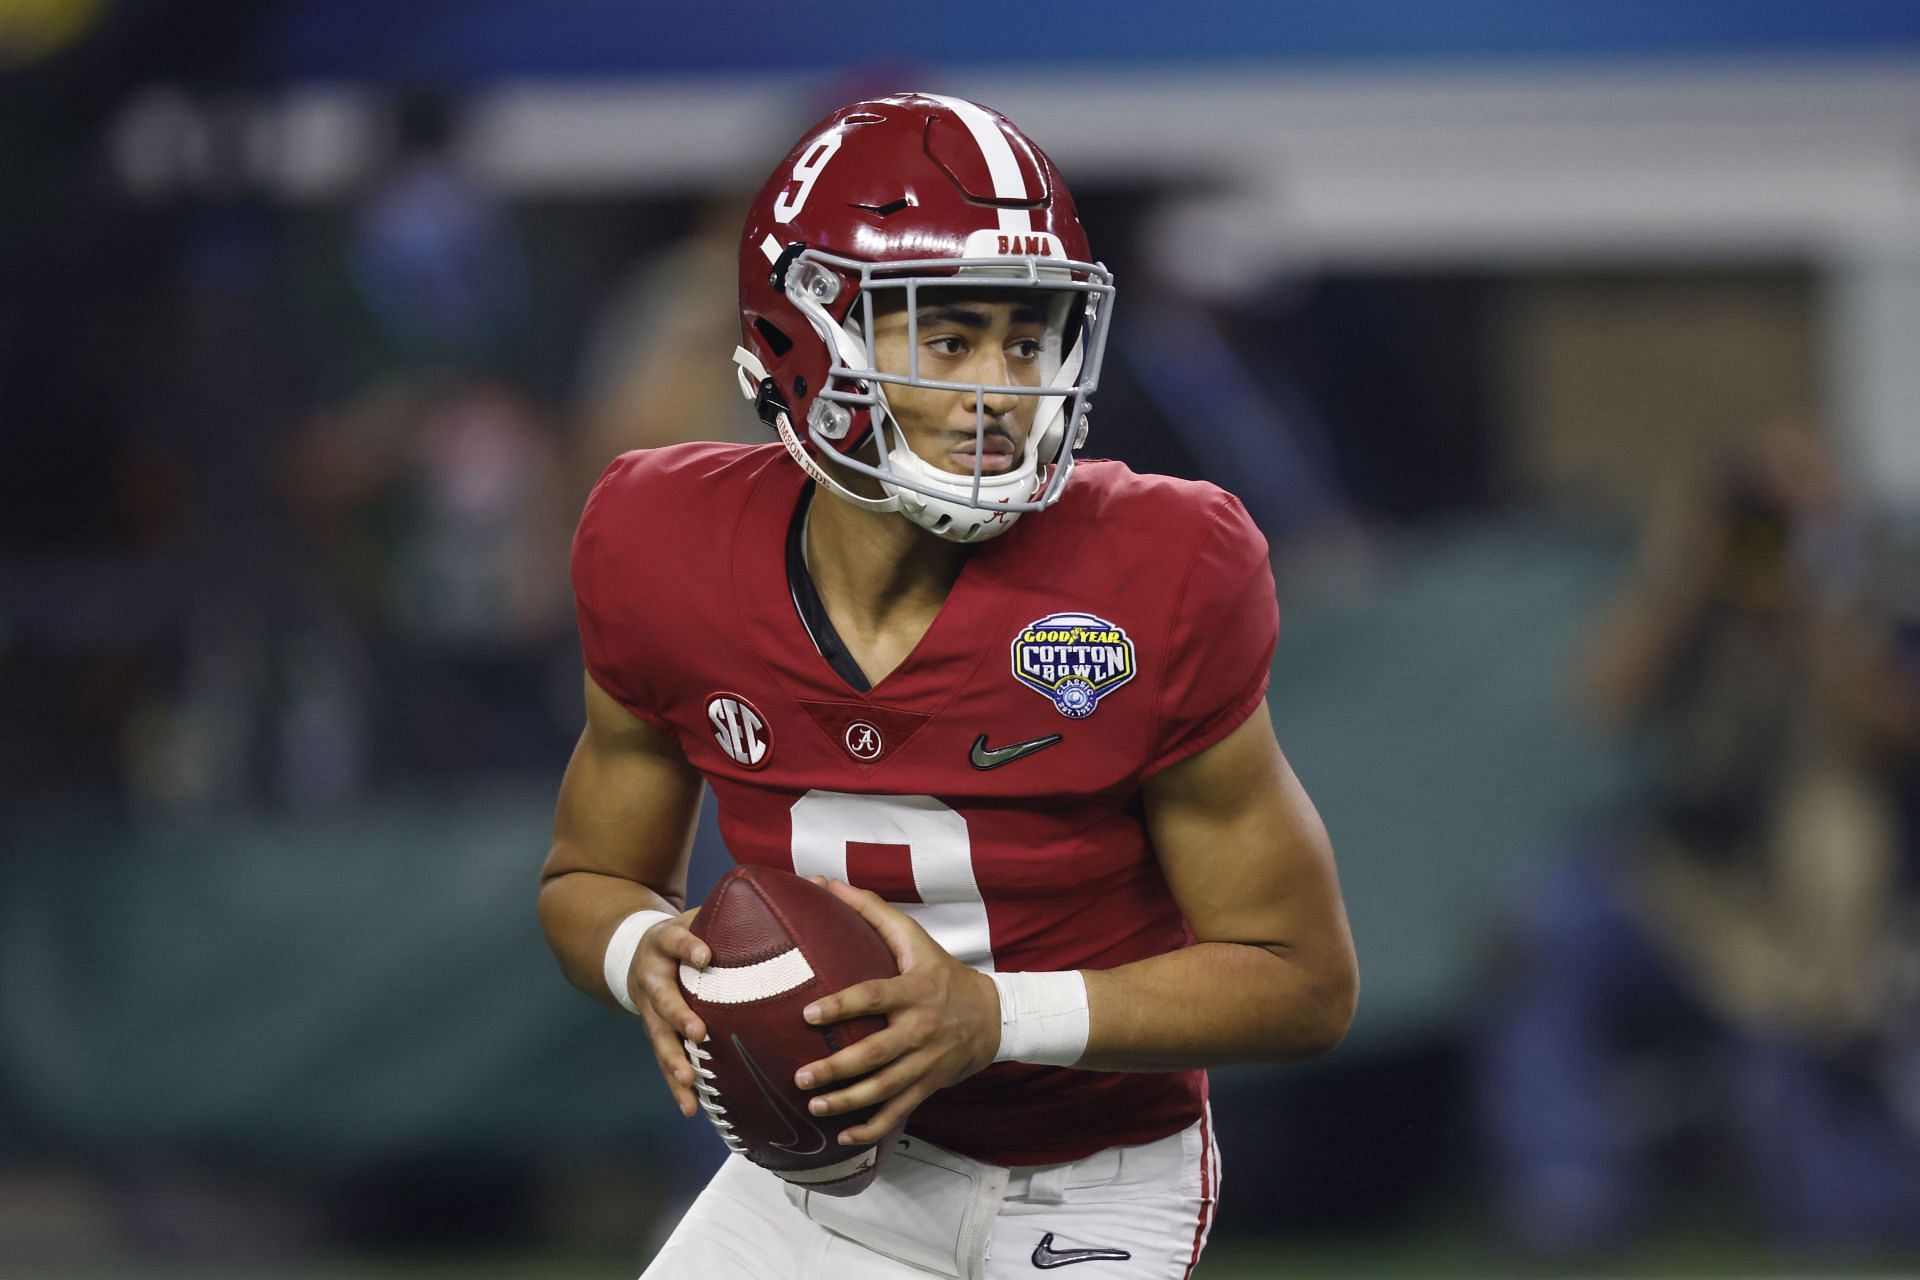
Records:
x=908, y=194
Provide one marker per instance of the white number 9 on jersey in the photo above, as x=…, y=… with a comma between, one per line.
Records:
x=930, y=837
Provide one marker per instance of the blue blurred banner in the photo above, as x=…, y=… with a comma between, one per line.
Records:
x=454, y=41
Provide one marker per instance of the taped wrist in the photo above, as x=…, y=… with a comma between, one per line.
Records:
x=620, y=951
x=1043, y=1017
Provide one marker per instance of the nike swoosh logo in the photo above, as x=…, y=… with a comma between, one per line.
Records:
x=986, y=757
x=799, y=1124
x=1046, y=1257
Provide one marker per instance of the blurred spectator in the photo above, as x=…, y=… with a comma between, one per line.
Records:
x=440, y=513
x=216, y=392
x=1258, y=431
x=1743, y=922
x=433, y=634
x=657, y=365
x=432, y=256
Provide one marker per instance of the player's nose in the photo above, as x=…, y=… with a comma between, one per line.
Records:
x=999, y=407
x=987, y=367
x=998, y=404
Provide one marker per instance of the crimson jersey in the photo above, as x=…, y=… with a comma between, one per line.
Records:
x=990, y=785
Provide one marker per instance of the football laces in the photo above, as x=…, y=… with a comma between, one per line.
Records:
x=709, y=1096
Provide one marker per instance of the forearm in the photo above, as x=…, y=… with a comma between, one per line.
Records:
x=622, y=833
x=579, y=910
x=1215, y=1003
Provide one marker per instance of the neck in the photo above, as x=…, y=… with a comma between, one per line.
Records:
x=874, y=567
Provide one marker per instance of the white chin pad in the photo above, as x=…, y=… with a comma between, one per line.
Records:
x=941, y=501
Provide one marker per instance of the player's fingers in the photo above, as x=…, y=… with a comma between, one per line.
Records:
x=671, y=1056
x=897, y=1110
x=876, y=995
x=674, y=939
x=870, y=1054
x=900, y=931
x=661, y=986
x=869, y=1091
x=670, y=1051
x=671, y=1063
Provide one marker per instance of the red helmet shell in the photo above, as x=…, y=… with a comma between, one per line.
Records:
x=898, y=179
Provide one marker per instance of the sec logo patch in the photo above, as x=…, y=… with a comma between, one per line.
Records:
x=1075, y=659
x=740, y=729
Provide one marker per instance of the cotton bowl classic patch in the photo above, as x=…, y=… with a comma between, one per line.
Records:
x=1075, y=659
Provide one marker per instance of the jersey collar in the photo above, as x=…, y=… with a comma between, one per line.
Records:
x=811, y=608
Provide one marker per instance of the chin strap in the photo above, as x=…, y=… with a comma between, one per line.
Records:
x=752, y=374
x=809, y=464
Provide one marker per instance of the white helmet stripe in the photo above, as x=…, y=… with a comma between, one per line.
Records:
x=1008, y=184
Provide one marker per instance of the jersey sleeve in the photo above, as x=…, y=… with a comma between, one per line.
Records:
x=610, y=592
x=1221, y=642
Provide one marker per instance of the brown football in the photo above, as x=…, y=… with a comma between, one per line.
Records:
x=778, y=943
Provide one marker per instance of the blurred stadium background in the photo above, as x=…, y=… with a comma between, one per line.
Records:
x=1569, y=354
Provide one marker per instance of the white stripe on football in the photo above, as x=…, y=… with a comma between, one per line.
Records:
x=747, y=982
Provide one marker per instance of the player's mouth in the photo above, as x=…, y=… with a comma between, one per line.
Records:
x=996, y=453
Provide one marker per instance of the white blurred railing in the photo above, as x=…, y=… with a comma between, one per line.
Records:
x=1269, y=172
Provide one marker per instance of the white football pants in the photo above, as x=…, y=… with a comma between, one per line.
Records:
x=1152, y=1203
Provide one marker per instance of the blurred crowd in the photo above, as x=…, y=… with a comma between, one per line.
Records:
x=344, y=475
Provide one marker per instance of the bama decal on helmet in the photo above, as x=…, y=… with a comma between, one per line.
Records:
x=1075, y=659
x=1011, y=244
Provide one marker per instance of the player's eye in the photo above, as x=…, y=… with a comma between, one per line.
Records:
x=1024, y=348
x=947, y=346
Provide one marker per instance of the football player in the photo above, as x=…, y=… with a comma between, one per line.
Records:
x=1010, y=705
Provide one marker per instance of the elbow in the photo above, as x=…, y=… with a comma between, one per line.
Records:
x=1325, y=1013
x=552, y=909
x=1339, y=1000
x=1308, y=1007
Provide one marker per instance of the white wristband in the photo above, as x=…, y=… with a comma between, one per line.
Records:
x=1043, y=1017
x=620, y=949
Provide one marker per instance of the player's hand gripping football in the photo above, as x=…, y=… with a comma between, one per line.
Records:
x=654, y=981
x=943, y=1024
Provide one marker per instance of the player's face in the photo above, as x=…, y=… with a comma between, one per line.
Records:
x=964, y=335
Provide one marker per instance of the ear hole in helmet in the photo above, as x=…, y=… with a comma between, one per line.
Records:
x=777, y=341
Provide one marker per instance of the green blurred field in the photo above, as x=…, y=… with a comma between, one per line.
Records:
x=1407, y=1257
